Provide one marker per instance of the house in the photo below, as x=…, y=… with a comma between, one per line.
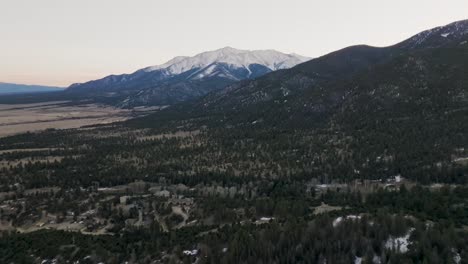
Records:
x=163, y=193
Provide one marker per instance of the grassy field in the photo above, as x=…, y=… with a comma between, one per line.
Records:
x=22, y=118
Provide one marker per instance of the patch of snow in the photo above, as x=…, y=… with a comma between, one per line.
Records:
x=357, y=260
x=248, y=69
x=456, y=257
x=399, y=244
x=203, y=72
x=460, y=159
x=340, y=219
x=285, y=91
x=376, y=260
x=444, y=35
x=193, y=252
x=398, y=178
x=263, y=220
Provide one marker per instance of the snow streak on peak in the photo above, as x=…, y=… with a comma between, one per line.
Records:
x=272, y=59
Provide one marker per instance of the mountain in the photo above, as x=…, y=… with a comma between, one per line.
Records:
x=186, y=78
x=312, y=90
x=12, y=88
x=401, y=109
x=438, y=36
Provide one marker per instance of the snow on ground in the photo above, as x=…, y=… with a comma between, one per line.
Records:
x=264, y=220
x=337, y=221
x=399, y=244
x=193, y=252
x=456, y=257
x=340, y=219
x=376, y=260
x=357, y=260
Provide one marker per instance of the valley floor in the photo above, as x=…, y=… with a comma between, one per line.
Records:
x=15, y=119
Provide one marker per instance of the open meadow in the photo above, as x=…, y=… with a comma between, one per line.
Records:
x=15, y=119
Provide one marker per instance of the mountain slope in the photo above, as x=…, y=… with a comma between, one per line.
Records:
x=12, y=88
x=337, y=65
x=371, y=112
x=413, y=111
x=309, y=91
x=185, y=78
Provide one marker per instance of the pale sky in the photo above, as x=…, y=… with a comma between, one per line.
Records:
x=59, y=42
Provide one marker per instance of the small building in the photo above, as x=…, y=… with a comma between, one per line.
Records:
x=163, y=193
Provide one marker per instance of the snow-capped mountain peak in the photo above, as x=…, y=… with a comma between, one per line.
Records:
x=186, y=78
x=271, y=59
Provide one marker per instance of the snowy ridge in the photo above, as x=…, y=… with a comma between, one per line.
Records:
x=272, y=59
x=186, y=78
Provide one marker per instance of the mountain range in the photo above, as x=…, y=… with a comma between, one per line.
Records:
x=314, y=89
x=13, y=88
x=312, y=76
x=401, y=109
x=185, y=78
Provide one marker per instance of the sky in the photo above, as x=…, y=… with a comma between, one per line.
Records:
x=58, y=42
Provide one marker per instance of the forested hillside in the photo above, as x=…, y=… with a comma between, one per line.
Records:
x=359, y=156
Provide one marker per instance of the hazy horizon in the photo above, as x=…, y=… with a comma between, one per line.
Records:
x=57, y=43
